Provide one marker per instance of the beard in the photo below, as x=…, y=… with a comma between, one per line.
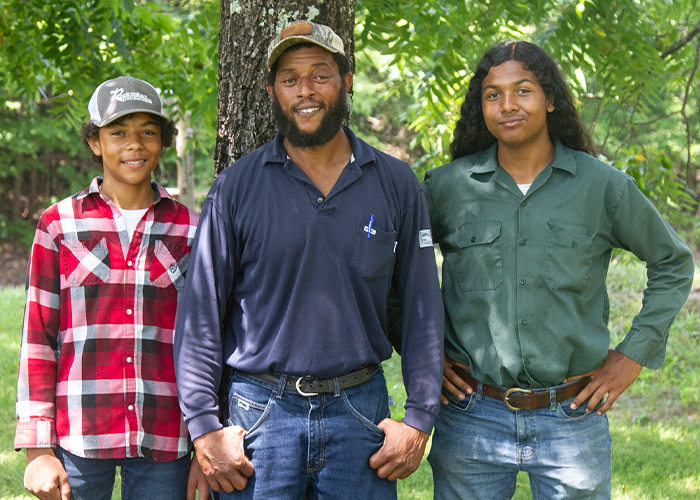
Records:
x=328, y=128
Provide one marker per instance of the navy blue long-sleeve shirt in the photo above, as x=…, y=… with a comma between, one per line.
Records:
x=308, y=287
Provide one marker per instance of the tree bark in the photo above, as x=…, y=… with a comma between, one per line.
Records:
x=246, y=29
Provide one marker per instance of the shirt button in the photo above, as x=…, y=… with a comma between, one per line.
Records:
x=173, y=268
x=523, y=321
x=523, y=203
x=131, y=407
x=523, y=281
x=128, y=311
x=473, y=239
x=522, y=241
x=128, y=263
x=128, y=360
x=574, y=244
x=320, y=200
x=526, y=361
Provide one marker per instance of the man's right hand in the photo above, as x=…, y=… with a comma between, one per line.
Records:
x=45, y=477
x=453, y=383
x=222, y=458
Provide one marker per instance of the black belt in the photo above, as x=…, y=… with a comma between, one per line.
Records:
x=309, y=386
x=525, y=399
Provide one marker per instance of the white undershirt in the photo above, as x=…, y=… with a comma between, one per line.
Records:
x=524, y=187
x=132, y=218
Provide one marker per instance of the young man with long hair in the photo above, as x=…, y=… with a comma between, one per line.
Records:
x=526, y=220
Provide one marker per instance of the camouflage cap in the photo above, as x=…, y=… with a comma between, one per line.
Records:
x=303, y=32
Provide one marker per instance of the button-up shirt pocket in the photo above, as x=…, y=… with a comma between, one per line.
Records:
x=85, y=262
x=169, y=266
x=569, y=256
x=479, y=261
x=373, y=257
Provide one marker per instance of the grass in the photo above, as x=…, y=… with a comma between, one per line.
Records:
x=654, y=425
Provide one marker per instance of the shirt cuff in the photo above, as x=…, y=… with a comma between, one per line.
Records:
x=418, y=419
x=645, y=351
x=203, y=424
x=35, y=433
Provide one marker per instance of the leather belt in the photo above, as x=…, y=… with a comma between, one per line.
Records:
x=525, y=399
x=309, y=386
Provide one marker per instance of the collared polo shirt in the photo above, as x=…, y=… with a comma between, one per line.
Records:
x=307, y=277
x=524, y=275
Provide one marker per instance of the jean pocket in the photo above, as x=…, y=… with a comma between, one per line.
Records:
x=249, y=406
x=565, y=411
x=85, y=262
x=460, y=406
x=368, y=406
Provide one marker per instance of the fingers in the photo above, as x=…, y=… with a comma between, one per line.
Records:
x=44, y=476
x=221, y=455
x=453, y=383
x=402, y=451
x=613, y=378
x=65, y=489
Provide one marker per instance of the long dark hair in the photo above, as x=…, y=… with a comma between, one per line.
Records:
x=471, y=135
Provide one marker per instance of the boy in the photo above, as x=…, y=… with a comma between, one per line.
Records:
x=96, y=382
x=527, y=219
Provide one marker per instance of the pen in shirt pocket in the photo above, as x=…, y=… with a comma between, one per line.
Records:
x=369, y=226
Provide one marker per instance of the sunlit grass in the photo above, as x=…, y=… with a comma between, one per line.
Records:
x=654, y=425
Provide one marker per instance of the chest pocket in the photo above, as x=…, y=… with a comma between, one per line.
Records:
x=169, y=265
x=373, y=257
x=479, y=260
x=569, y=255
x=85, y=262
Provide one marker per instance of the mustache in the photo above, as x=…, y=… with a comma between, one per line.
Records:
x=303, y=102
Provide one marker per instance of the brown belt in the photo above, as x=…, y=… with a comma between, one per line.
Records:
x=525, y=399
x=309, y=386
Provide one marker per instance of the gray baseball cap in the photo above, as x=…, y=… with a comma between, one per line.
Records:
x=122, y=96
x=303, y=32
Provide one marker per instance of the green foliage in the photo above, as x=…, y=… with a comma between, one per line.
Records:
x=632, y=66
x=54, y=54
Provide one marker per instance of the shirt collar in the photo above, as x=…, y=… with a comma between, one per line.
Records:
x=94, y=188
x=361, y=151
x=563, y=160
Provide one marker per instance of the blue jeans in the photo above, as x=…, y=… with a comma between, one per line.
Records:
x=480, y=445
x=93, y=478
x=318, y=446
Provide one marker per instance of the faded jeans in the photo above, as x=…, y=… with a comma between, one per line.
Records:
x=318, y=446
x=480, y=445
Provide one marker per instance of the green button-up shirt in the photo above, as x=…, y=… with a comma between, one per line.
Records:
x=524, y=275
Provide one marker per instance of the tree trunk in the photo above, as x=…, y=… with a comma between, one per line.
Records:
x=246, y=28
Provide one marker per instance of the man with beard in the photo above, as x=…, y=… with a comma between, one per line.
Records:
x=298, y=245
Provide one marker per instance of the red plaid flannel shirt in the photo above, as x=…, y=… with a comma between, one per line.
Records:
x=96, y=373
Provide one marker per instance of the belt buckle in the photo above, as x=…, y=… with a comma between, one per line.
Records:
x=299, y=388
x=511, y=391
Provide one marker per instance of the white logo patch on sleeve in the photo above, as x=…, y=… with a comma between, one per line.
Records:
x=426, y=239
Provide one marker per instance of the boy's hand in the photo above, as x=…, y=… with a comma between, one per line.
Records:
x=222, y=458
x=45, y=477
x=613, y=378
x=197, y=482
x=453, y=383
